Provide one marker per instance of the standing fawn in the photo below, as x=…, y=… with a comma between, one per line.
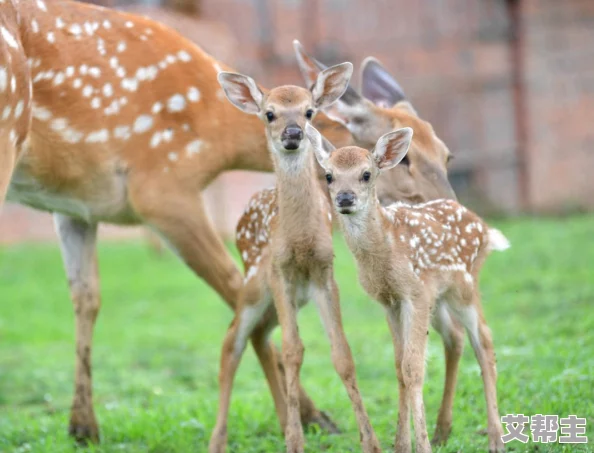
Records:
x=285, y=240
x=422, y=263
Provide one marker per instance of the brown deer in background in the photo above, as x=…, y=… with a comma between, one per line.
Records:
x=285, y=241
x=128, y=126
x=422, y=263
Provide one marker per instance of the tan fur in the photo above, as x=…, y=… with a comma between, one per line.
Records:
x=419, y=262
x=15, y=95
x=285, y=241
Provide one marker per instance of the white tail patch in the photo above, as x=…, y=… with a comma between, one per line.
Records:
x=497, y=241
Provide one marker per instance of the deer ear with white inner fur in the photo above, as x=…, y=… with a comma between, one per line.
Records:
x=322, y=147
x=242, y=91
x=331, y=84
x=391, y=148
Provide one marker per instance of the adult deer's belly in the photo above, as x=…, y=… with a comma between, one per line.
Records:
x=92, y=197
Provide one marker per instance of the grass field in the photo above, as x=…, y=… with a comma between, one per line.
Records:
x=158, y=339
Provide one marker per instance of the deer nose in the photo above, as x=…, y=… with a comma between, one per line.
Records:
x=293, y=133
x=345, y=199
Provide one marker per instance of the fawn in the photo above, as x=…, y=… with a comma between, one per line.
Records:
x=422, y=263
x=285, y=241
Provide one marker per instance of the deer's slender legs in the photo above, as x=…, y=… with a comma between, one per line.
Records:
x=452, y=335
x=188, y=230
x=327, y=300
x=249, y=314
x=402, y=441
x=284, y=293
x=78, y=244
x=479, y=333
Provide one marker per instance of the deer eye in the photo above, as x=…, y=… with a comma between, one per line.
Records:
x=366, y=176
x=270, y=117
x=329, y=178
x=309, y=114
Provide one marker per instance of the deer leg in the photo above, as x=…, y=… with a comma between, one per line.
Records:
x=402, y=442
x=413, y=369
x=189, y=231
x=329, y=307
x=452, y=334
x=479, y=333
x=292, y=347
x=249, y=314
x=78, y=244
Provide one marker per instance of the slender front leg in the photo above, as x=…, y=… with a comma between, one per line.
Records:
x=234, y=344
x=329, y=307
x=78, y=244
x=452, y=335
x=402, y=442
x=292, y=347
x=415, y=322
x=482, y=343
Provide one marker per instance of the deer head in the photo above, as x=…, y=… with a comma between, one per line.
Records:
x=381, y=107
x=352, y=172
x=286, y=110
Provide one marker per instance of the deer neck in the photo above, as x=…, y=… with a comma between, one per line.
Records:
x=300, y=196
x=365, y=231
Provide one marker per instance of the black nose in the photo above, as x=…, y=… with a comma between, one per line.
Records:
x=345, y=199
x=293, y=133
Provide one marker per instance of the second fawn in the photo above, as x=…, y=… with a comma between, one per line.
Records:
x=285, y=241
x=422, y=263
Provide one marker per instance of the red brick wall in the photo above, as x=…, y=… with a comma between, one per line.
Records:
x=559, y=41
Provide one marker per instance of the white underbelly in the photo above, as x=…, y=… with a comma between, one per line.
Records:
x=110, y=204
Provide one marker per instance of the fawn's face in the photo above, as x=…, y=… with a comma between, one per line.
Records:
x=378, y=107
x=352, y=172
x=287, y=109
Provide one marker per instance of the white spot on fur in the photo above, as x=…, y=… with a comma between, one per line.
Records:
x=176, y=103
x=75, y=29
x=18, y=110
x=41, y=5
x=157, y=107
x=143, y=123
x=107, y=90
x=3, y=79
x=87, y=91
x=184, y=56
x=172, y=157
x=130, y=84
x=10, y=40
x=193, y=94
x=121, y=47
x=122, y=132
x=100, y=136
x=193, y=147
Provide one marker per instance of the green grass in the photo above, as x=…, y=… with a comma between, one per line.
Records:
x=158, y=338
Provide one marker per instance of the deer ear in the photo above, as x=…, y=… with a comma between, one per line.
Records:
x=378, y=85
x=309, y=66
x=241, y=91
x=331, y=84
x=322, y=147
x=391, y=148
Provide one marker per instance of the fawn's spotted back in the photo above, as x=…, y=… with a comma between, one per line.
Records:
x=439, y=235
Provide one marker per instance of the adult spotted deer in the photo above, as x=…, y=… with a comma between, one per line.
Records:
x=285, y=240
x=128, y=126
x=15, y=95
x=421, y=263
